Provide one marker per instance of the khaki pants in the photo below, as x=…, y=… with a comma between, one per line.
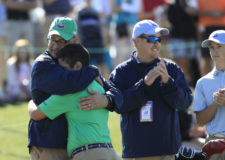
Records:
x=39, y=153
x=97, y=154
x=164, y=157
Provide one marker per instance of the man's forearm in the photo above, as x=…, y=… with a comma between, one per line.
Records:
x=203, y=117
x=34, y=111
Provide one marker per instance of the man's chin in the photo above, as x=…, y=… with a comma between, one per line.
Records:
x=155, y=55
x=54, y=55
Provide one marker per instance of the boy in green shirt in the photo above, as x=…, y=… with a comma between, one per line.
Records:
x=88, y=133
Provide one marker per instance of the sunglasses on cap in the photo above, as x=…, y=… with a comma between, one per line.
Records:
x=152, y=39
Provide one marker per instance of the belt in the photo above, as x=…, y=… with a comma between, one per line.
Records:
x=91, y=146
x=218, y=135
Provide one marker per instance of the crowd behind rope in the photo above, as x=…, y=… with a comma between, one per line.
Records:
x=108, y=40
x=25, y=25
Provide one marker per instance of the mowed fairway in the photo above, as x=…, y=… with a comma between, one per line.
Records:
x=13, y=131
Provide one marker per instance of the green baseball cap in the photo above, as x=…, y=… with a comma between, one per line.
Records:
x=64, y=27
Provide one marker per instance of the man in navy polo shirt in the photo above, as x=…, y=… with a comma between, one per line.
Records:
x=153, y=89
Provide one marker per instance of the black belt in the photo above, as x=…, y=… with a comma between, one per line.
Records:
x=91, y=146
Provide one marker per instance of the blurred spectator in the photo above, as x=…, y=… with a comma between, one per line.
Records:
x=76, y=2
x=19, y=24
x=90, y=34
x=211, y=17
x=18, y=72
x=150, y=9
x=182, y=41
x=37, y=16
x=104, y=10
x=185, y=120
x=2, y=49
x=125, y=15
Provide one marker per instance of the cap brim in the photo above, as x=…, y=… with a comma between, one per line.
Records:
x=205, y=43
x=163, y=31
x=61, y=34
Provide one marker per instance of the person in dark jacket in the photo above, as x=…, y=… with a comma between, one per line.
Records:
x=153, y=89
x=182, y=47
x=47, y=138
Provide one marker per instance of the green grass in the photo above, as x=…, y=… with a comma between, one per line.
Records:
x=13, y=132
x=115, y=133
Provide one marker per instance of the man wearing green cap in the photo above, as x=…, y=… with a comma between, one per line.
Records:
x=47, y=138
x=88, y=132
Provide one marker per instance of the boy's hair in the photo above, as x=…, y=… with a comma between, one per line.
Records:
x=72, y=53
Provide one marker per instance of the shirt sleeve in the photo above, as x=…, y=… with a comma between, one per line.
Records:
x=51, y=78
x=199, y=100
x=176, y=93
x=55, y=106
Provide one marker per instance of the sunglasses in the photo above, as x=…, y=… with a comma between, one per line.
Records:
x=152, y=39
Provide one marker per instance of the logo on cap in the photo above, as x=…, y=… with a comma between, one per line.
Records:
x=60, y=25
x=154, y=25
x=216, y=35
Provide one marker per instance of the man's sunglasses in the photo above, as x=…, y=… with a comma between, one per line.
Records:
x=152, y=39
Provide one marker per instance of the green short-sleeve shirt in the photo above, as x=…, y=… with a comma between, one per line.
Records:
x=84, y=127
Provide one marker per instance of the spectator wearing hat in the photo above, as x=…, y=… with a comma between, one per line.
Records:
x=48, y=138
x=209, y=102
x=153, y=90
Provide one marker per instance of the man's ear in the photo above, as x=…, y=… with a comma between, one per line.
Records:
x=136, y=40
x=77, y=66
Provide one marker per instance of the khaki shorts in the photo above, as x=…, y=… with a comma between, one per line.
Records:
x=97, y=154
x=164, y=157
x=40, y=153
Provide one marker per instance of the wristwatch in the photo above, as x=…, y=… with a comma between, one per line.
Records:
x=110, y=100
